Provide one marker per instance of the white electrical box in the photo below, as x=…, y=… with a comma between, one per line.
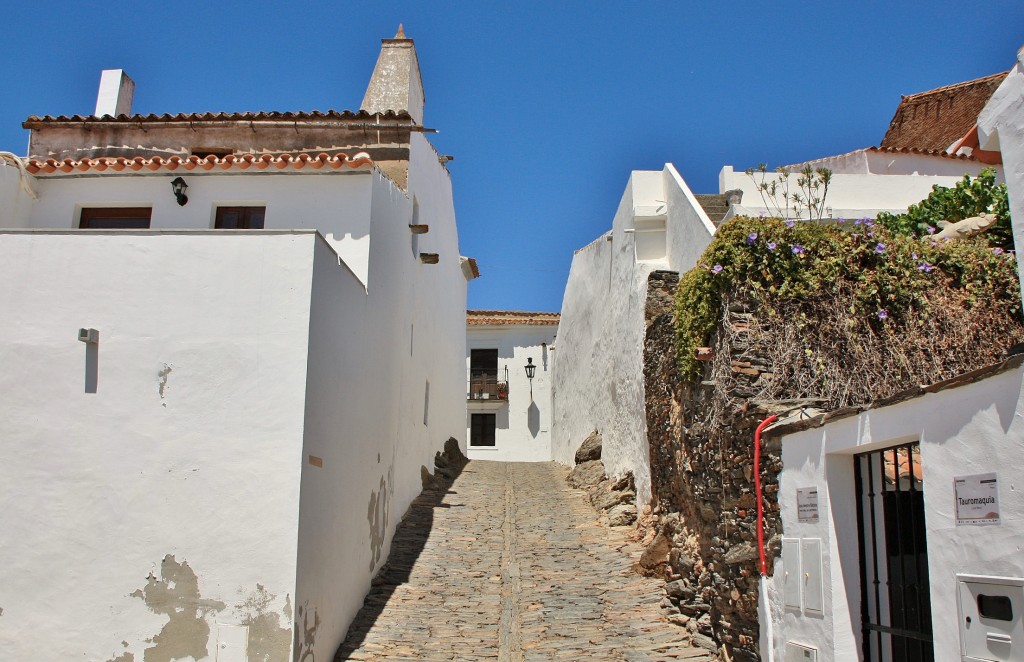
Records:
x=89, y=335
x=991, y=624
x=791, y=572
x=800, y=653
x=810, y=571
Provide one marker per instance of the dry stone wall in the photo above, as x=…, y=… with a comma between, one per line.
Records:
x=702, y=524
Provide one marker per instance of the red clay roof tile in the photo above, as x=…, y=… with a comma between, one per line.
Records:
x=173, y=163
x=510, y=317
x=932, y=121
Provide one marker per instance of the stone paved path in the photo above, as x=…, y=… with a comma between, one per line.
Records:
x=510, y=563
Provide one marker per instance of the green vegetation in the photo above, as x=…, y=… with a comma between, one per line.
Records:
x=968, y=198
x=811, y=190
x=867, y=280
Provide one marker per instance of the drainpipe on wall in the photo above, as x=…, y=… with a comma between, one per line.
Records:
x=763, y=566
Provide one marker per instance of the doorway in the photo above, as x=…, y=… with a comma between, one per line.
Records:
x=896, y=619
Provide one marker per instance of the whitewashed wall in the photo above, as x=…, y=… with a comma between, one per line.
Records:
x=190, y=446
x=849, y=195
x=980, y=431
x=17, y=203
x=523, y=431
x=336, y=204
x=598, y=378
x=1001, y=126
x=367, y=397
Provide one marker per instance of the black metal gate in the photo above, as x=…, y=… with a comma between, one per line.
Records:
x=895, y=603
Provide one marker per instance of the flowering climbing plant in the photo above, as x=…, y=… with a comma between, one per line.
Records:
x=875, y=281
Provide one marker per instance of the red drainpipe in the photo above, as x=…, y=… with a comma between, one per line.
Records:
x=757, y=487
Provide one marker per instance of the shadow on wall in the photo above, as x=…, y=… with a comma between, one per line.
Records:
x=533, y=419
x=407, y=544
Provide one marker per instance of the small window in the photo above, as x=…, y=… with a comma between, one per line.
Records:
x=481, y=432
x=240, y=218
x=115, y=218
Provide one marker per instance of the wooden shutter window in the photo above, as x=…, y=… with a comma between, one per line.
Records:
x=240, y=218
x=115, y=218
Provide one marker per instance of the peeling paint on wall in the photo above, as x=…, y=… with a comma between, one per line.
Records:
x=124, y=657
x=268, y=641
x=305, y=635
x=163, y=375
x=176, y=596
x=377, y=514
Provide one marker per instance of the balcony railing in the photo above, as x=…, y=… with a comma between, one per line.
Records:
x=487, y=387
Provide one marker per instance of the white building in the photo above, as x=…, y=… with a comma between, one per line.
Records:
x=508, y=414
x=598, y=380
x=265, y=364
x=904, y=524
x=932, y=140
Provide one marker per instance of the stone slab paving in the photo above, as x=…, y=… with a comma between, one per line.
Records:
x=510, y=563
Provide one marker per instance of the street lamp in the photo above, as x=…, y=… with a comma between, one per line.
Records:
x=531, y=370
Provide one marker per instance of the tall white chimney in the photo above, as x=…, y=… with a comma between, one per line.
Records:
x=115, y=95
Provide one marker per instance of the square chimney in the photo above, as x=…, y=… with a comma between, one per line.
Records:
x=115, y=95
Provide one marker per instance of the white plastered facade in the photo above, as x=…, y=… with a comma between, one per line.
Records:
x=523, y=420
x=598, y=381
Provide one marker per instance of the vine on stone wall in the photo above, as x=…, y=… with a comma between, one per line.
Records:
x=851, y=311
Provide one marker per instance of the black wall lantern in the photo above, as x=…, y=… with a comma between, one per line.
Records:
x=178, y=187
x=531, y=370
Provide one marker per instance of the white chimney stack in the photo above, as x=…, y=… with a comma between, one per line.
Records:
x=116, y=92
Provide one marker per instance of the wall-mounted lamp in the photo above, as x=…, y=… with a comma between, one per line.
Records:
x=178, y=187
x=531, y=369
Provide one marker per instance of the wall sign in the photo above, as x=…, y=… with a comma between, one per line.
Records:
x=977, y=499
x=807, y=504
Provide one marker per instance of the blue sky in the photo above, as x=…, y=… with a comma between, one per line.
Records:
x=547, y=106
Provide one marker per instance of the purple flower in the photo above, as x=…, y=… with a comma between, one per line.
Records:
x=761, y=214
x=913, y=256
x=790, y=224
x=868, y=222
x=797, y=249
x=882, y=314
x=717, y=268
x=751, y=238
x=771, y=245
x=997, y=251
x=880, y=248
x=930, y=230
x=841, y=219
x=925, y=267
x=858, y=221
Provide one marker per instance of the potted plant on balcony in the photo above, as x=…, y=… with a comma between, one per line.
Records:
x=502, y=390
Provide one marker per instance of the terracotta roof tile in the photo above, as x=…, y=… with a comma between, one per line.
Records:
x=175, y=163
x=510, y=317
x=220, y=117
x=934, y=120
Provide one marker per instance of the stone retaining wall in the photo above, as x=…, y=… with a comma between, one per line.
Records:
x=703, y=517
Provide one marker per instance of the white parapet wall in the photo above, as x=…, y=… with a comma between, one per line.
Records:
x=849, y=195
x=598, y=381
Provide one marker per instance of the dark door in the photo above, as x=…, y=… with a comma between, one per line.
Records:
x=896, y=617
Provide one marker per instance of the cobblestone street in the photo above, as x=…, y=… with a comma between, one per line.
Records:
x=511, y=563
